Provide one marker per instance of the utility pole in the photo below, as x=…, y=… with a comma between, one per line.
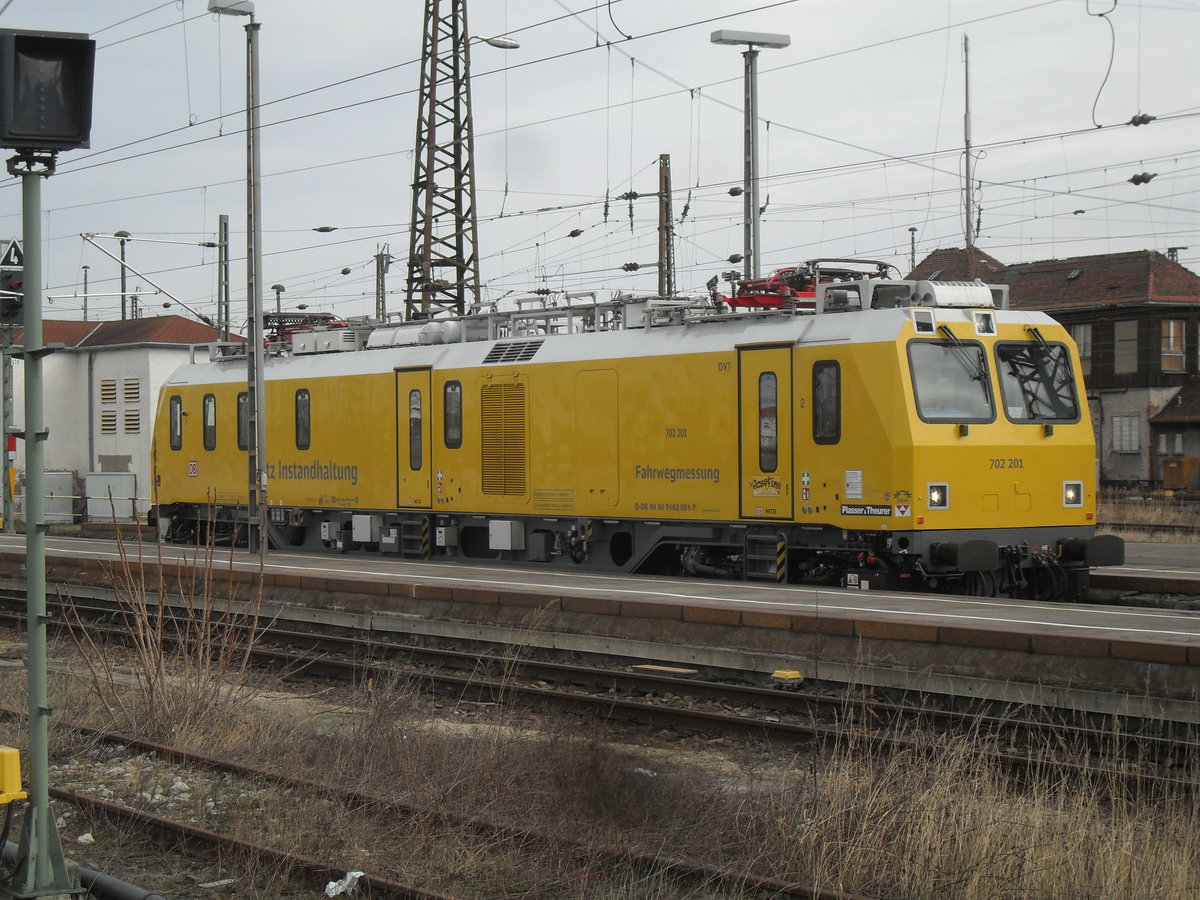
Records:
x=383, y=262
x=443, y=261
x=968, y=168
x=666, y=230
x=223, y=276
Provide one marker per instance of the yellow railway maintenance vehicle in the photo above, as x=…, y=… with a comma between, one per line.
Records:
x=865, y=432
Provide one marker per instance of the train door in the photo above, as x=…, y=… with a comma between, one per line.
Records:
x=765, y=431
x=414, y=448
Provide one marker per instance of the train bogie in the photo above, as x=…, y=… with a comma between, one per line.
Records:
x=922, y=437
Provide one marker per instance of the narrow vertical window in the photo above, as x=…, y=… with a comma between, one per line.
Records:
x=243, y=421
x=768, y=422
x=1172, y=346
x=827, y=402
x=176, y=420
x=1083, y=339
x=210, y=422
x=303, y=419
x=414, y=430
x=452, y=414
x=1125, y=344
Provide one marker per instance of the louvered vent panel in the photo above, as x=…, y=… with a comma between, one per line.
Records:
x=108, y=421
x=133, y=421
x=108, y=390
x=133, y=390
x=513, y=351
x=502, y=415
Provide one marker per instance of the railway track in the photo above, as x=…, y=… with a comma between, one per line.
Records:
x=1142, y=759
x=206, y=842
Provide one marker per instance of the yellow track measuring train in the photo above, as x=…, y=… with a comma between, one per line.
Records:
x=866, y=432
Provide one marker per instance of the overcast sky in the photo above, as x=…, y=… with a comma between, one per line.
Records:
x=861, y=137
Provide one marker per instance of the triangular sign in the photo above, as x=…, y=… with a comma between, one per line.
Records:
x=14, y=256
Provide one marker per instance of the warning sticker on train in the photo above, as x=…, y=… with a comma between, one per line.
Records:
x=865, y=509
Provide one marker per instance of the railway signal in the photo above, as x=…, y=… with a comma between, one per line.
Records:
x=12, y=297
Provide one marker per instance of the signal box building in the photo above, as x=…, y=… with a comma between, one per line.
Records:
x=1136, y=319
x=101, y=388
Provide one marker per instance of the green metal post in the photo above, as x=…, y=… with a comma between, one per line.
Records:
x=6, y=396
x=41, y=866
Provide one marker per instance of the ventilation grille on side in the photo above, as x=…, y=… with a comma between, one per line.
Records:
x=502, y=417
x=513, y=351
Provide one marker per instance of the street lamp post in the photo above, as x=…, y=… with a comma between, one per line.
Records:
x=85, y=290
x=278, y=289
x=256, y=414
x=124, y=236
x=753, y=40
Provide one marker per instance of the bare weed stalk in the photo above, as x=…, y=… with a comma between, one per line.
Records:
x=188, y=673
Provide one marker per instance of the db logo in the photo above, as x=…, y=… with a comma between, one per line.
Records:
x=193, y=469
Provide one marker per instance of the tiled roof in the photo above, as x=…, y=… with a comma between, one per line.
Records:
x=1113, y=279
x=1183, y=407
x=1080, y=282
x=953, y=264
x=171, y=330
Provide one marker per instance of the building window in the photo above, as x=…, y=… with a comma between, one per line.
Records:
x=827, y=402
x=1126, y=434
x=1082, y=335
x=1172, y=346
x=303, y=419
x=452, y=414
x=210, y=422
x=1125, y=361
x=768, y=422
x=176, y=422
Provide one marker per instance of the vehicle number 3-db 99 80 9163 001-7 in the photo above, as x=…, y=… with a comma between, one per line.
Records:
x=1010, y=462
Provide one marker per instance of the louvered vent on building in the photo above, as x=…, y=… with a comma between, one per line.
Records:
x=133, y=421
x=133, y=390
x=502, y=413
x=513, y=351
x=108, y=421
x=108, y=390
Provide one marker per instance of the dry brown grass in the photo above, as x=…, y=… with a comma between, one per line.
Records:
x=1148, y=516
x=187, y=673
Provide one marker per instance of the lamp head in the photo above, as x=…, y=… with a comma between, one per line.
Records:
x=754, y=38
x=231, y=7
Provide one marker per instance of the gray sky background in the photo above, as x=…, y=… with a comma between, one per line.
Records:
x=861, y=137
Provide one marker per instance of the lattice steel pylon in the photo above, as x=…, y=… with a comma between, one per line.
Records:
x=443, y=262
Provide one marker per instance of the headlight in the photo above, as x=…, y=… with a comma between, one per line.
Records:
x=939, y=496
x=1073, y=493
